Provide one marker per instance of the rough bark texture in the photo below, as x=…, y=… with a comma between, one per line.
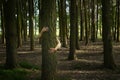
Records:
x=11, y=33
x=72, y=55
x=107, y=37
x=48, y=19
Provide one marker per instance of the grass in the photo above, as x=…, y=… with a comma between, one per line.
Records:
x=20, y=73
x=15, y=74
x=28, y=65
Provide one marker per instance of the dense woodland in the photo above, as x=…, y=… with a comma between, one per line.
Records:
x=77, y=23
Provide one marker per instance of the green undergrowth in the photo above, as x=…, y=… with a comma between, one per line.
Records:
x=20, y=73
x=28, y=65
x=15, y=74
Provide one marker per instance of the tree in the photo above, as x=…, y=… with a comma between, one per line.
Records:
x=77, y=29
x=63, y=22
x=118, y=20
x=19, y=23
x=11, y=33
x=107, y=37
x=24, y=18
x=86, y=24
x=81, y=21
x=93, y=28
x=2, y=25
x=31, y=18
x=48, y=19
x=73, y=19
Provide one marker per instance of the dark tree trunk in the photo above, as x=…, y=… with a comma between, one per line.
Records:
x=81, y=21
x=107, y=37
x=93, y=22
x=19, y=24
x=118, y=20
x=11, y=33
x=77, y=29
x=48, y=19
x=2, y=25
x=63, y=22
x=86, y=25
x=72, y=55
x=24, y=19
x=31, y=18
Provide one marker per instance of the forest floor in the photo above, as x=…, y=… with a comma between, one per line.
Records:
x=88, y=66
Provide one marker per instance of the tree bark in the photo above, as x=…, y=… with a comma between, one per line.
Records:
x=48, y=19
x=107, y=37
x=11, y=33
x=72, y=55
x=31, y=18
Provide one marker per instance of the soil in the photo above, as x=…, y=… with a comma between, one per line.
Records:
x=87, y=66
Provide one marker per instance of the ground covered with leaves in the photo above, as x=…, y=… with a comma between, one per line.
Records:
x=88, y=66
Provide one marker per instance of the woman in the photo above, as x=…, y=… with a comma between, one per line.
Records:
x=44, y=29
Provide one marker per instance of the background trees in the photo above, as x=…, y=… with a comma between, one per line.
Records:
x=87, y=20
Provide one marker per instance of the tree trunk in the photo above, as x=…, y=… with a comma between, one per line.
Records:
x=31, y=18
x=63, y=21
x=118, y=20
x=107, y=37
x=11, y=33
x=93, y=22
x=81, y=21
x=77, y=29
x=72, y=55
x=24, y=19
x=48, y=19
x=19, y=24
x=86, y=25
x=2, y=25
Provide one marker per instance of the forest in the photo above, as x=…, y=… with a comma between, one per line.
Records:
x=59, y=39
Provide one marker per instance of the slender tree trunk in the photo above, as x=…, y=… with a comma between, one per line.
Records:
x=118, y=20
x=11, y=33
x=24, y=19
x=86, y=26
x=31, y=18
x=107, y=37
x=48, y=19
x=77, y=29
x=63, y=22
x=72, y=55
x=93, y=22
x=2, y=25
x=81, y=21
x=19, y=24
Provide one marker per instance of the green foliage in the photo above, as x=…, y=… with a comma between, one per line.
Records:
x=28, y=65
x=15, y=74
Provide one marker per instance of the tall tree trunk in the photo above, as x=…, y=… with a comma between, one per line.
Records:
x=81, y=21
x=19, y=24
x=72, y=55
x=77, y=29
x=31, y=18
x=107, y=37
x=118, y=20
x=24, y=19
x=2, y=25
x=11, y=33
x=93, y=22
x=48, y=19
x=86, y=25
x=63, y=25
